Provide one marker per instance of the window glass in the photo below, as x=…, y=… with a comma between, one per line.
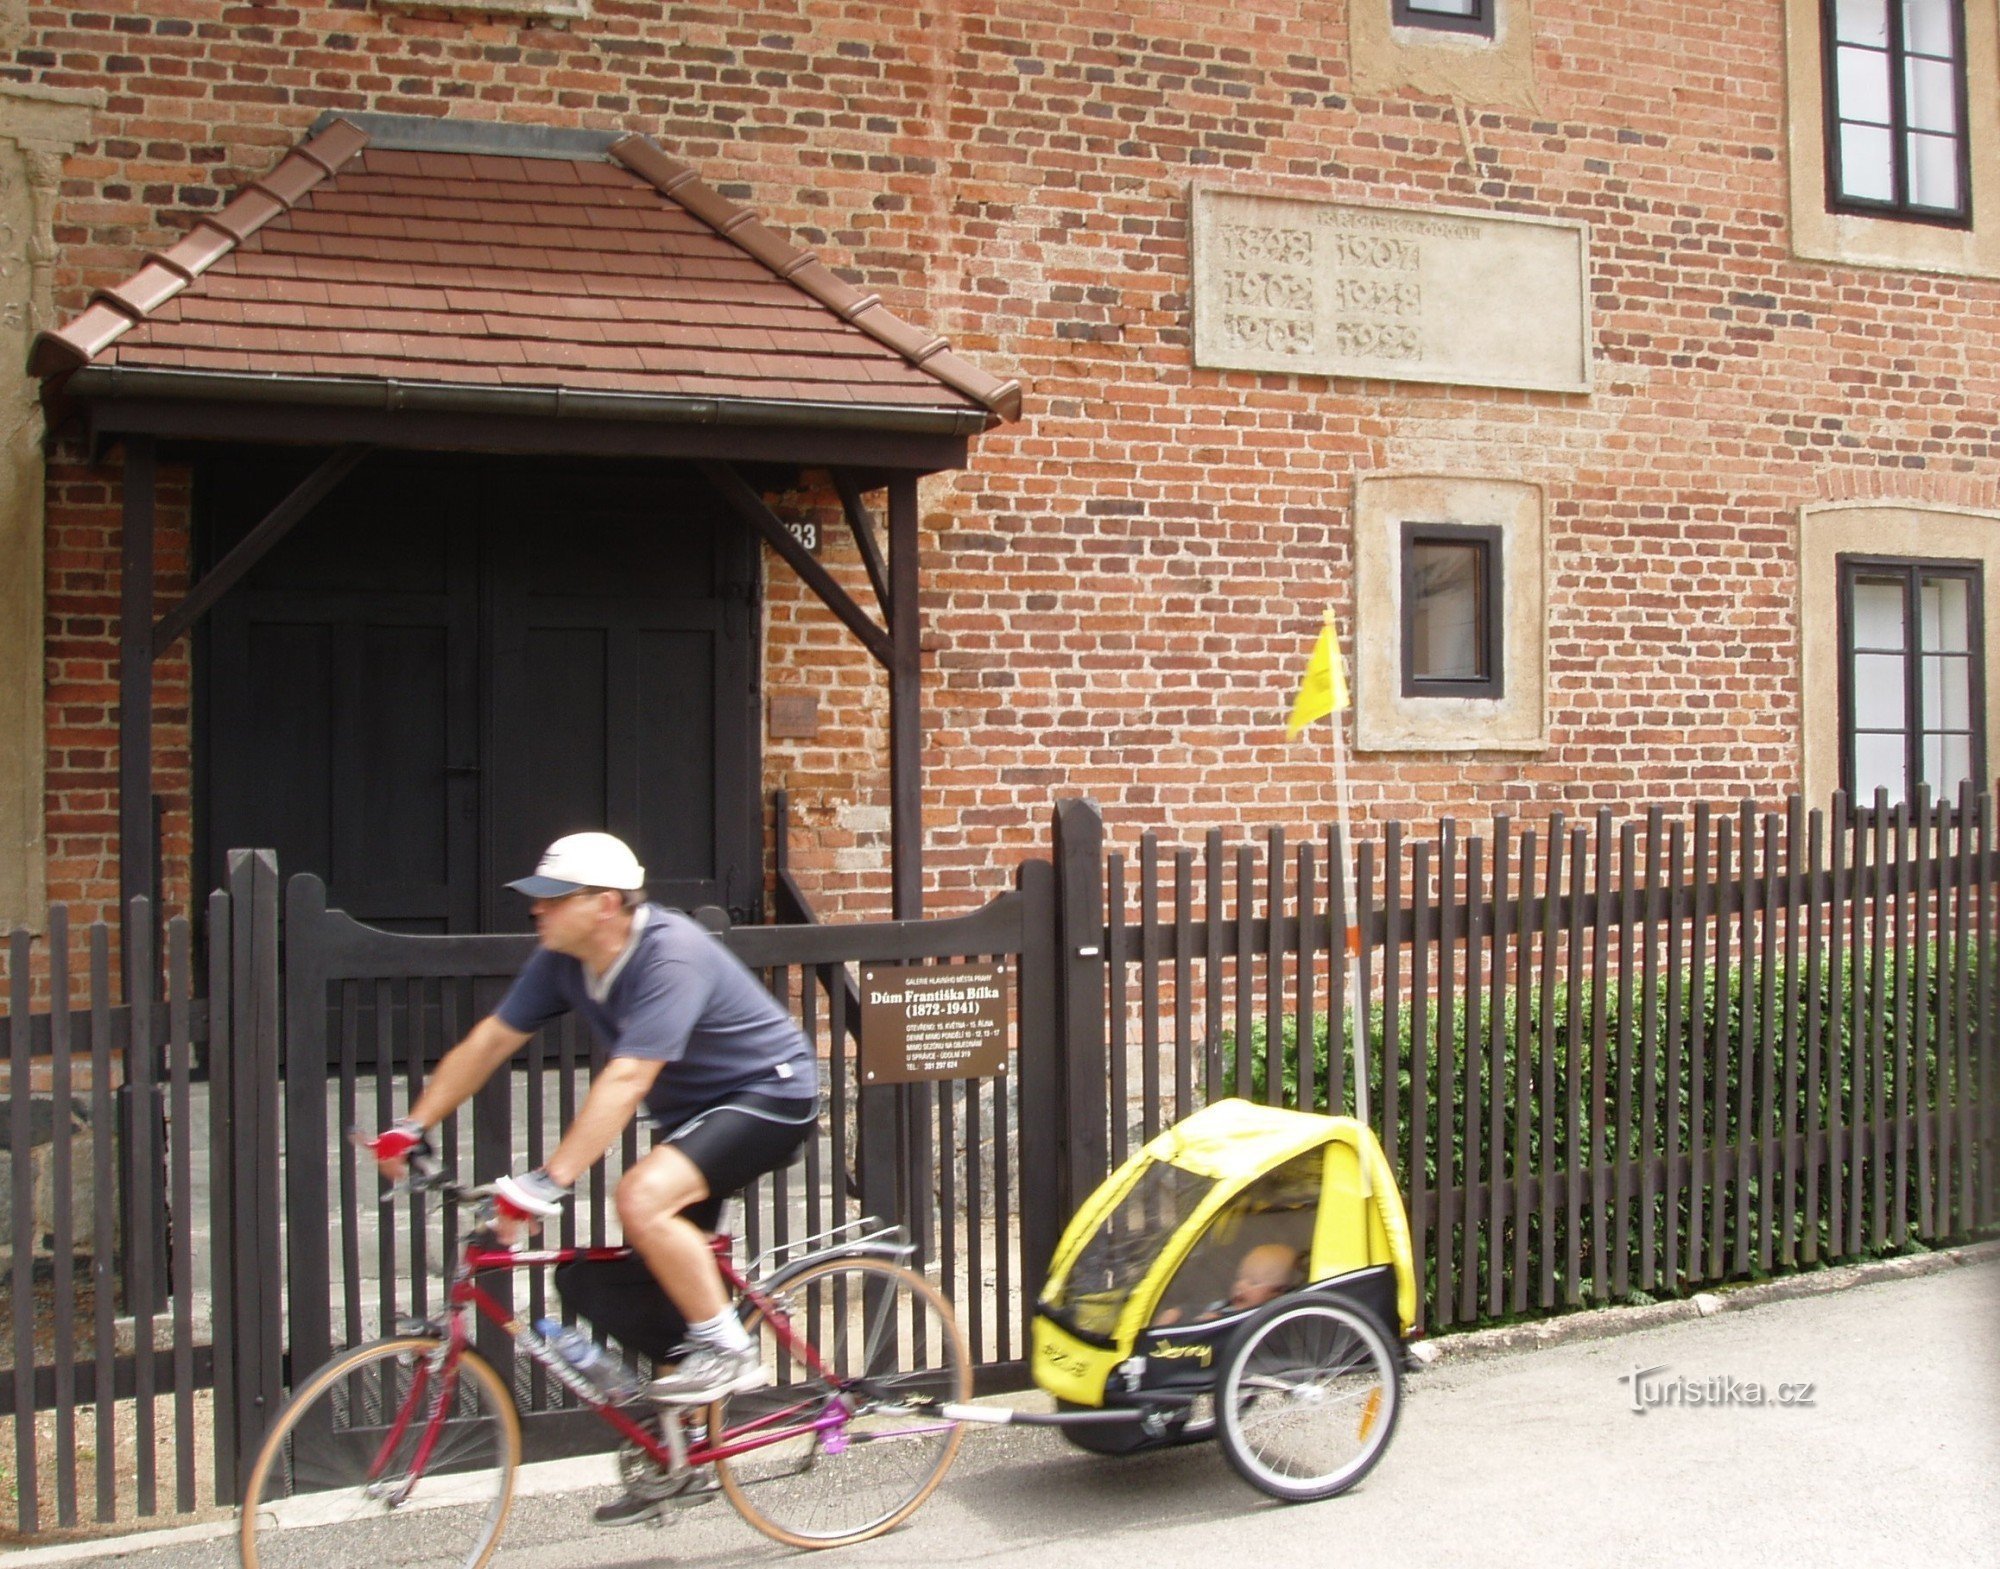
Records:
x=1927, y=26
x=1448, y=613
x=1933, y=171
x=1864, y=86
x=1456, y=16
x=1862, y=22
x=1878, y=613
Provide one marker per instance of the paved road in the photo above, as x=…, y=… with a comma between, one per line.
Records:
x=1534, y=1457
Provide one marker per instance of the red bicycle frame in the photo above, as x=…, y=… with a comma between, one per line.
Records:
x=484, y=1259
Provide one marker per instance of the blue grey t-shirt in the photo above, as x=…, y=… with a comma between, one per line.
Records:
x=679, y=997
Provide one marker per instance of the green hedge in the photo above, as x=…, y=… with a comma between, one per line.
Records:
x=1853, y=986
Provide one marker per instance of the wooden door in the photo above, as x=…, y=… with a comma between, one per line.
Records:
x=450, y=664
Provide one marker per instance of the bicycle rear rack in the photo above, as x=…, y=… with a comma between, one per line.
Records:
x=867, y=1234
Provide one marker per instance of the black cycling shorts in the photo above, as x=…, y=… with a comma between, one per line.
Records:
x=737, y=1141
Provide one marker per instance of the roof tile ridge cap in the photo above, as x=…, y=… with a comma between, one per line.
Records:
x=680, y=183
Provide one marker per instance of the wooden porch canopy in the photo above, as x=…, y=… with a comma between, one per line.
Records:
x=440, y=285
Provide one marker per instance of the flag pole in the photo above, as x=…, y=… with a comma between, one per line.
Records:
x=1357, y=1004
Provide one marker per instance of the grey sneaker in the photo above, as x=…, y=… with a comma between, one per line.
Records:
x=650, y=1500
x=708, y=1374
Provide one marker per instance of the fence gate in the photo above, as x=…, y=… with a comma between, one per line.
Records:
x=368, y=1013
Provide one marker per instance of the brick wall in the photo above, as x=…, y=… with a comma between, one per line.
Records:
x=1121, y=589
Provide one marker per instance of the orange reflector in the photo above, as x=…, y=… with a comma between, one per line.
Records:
x=1370, y=1410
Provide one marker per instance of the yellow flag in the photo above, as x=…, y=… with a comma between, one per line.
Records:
x=1324, y=689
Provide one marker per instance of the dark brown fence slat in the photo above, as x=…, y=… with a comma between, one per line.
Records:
x=1813, y=1111
x=1956, y=1125
x=1597, y=1104
x=62, y=1109
x=1929, y=847
x=1304, y=992
x=1766, y=1111
x=1149, y=985
x=1184, y=1101
x=1897, y=1091
x=1988, y=1122
x=1574, y=1156
x=1886, y=934
x=1545, y=1058
x=1446, y=1146
x=1246, y=971
x=103, y=1245
x=1865, y=955
x=1727, y=903
x=1211, y=967
x=1418, y=1185
x=1274, y=970
x=1680, y=1075
x=1495, y=1217
x=1621, y=1092
x=1344, y=1012
x=1787, y=1110
x=1392, y=995
x=1117, y=956
x=1524, y=1080
x=1701, y=977
x=1470, y=1146
x=181, y=1188
x=22, y=1286
x=1649, y=1046
x=1749, y=971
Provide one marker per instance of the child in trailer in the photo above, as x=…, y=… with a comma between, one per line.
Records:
x=1261, y=1274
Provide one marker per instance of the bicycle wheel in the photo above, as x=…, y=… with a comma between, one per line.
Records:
x=864, y=1444
x=1308, y=1399
x=339, y=1459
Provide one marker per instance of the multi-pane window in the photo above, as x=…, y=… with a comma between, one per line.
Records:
x=1451, y=611
x=1912, y=679
x=1896, y=138
x=1457, y=16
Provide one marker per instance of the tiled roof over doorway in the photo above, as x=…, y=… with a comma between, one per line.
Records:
x=496, y=258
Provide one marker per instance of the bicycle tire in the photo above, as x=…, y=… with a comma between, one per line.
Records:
x=313, y=1467
x=885, y=1337
x=1307, y=1401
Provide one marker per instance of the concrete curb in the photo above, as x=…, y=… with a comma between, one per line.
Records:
x=1603, y=1323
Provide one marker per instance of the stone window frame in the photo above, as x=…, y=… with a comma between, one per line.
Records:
x=1386, y=58
x=1486, y=541
x=1872, y=239
x=1386, y=720
x=1851, y=564
x=1898, y=208
x=1917, y=531
x=1405, y=13
x=527, y=10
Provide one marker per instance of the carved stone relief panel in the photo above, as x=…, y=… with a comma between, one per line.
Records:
x=1407, y=294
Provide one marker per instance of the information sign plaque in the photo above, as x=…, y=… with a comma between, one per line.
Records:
x=938, y=1022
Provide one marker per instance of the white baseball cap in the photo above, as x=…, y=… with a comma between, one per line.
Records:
x=583, y=861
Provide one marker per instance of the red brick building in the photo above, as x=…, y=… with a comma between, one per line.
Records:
x=1624, y=377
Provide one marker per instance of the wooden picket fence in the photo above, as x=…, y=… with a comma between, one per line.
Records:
x=1605, y=1058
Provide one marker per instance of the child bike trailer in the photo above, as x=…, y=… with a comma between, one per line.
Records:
x=1246, y=1274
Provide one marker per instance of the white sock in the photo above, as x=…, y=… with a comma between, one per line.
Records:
x=724, y=1332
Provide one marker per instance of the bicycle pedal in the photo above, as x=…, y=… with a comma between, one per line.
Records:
x=408, y=1325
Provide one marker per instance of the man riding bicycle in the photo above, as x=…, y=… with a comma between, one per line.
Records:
x=723, y=1073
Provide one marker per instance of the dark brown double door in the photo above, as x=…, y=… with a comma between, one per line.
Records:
x=451, y=662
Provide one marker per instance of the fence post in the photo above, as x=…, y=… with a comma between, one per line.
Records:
x=249, y=1077
x=1084, y=1112
x=1038, y=1069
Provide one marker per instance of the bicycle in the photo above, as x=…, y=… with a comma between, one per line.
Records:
x=845, y=1441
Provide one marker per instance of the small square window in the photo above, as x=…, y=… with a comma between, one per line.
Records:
x=1451, y=611
x=1451, y=16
